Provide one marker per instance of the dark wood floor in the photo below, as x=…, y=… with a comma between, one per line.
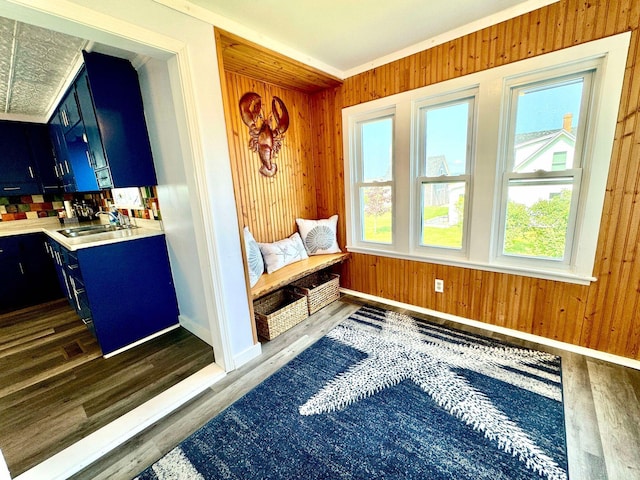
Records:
x=601, y=406
x=55, y=386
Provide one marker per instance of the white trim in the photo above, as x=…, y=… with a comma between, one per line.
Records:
x=488, y=21
x=188, y=8
x=249, y=354
x=484, y=209
x=195, y=328
x=141, y=341
x=86, y=451
x=588, y=352
x=219, y=333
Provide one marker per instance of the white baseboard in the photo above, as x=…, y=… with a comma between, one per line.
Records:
x=141, y=341
x=195, y=328
x=589, y=352
x=247, y=355
x=4, y=470
x=86, y=451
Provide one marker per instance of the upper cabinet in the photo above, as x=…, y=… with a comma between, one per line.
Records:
x=25, y=160
x=42, y=155
x=99, y=129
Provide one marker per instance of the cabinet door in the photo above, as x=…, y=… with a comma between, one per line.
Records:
x=69, y=111
x=90, y=122
x=12, y=274
x=117, y=101
x=57, y=255
x=78, y=153
x=43, y=157
x=123, y=311
x=17, y=173
x=40, y=274
x=62, y=165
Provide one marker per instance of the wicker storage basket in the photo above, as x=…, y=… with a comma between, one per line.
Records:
x=320, y=288
x=278, y=312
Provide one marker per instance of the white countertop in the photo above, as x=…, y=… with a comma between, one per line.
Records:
x=51, y=225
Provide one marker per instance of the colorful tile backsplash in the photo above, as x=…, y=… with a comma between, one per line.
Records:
x=26, y=207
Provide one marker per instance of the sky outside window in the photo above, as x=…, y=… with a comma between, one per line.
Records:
x=377, y=150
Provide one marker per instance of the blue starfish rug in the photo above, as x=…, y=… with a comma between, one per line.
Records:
x=387, y=396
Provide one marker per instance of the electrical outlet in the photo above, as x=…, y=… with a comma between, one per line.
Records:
x=439, y=285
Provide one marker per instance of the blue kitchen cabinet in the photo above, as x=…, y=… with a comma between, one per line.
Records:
x=99, y=130
x=95, y=146
x=43, y=157
x=63, y=162
x=123, y=291
x=73, y=165
x=57, y=253
x=12, y=274
x=78, y=154
x=38, y=269
x=28, y=275
x=17, y=170
x=69, y=111
x=113, y=113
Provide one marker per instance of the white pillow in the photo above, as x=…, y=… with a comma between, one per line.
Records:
x=319, y=236
x=283, y=252
x=254, y=257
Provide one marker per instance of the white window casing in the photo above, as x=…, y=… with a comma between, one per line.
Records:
x=489, y=167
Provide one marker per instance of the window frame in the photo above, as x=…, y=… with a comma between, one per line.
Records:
x=420, y=177
x=610, y=54
x=355, y=212
x=587, y=70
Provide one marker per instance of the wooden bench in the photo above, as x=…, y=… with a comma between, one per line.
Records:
x=270, y=282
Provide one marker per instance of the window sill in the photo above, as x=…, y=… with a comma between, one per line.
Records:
x=545, y=274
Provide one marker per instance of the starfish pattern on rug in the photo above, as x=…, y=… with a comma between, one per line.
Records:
x=398, y=349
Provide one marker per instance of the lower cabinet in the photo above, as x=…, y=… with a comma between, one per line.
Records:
x=27, y=274
x=123, y=291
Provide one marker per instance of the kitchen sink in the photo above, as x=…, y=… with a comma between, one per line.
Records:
x=91, y=230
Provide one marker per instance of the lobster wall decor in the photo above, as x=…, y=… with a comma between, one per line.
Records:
x=267, y=133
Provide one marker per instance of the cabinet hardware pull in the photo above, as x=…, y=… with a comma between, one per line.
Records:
x=89, y=159
x=21, y=268
x=66, y=164
x=31, y=171
x=55, y=169
x=11, y=188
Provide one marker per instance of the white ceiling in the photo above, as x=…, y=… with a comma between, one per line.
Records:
x=350, y=35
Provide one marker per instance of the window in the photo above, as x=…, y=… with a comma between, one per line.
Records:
x=443, y=180
x=542, y=178
x=559, y=161
x=375, y=185
x=500, y=170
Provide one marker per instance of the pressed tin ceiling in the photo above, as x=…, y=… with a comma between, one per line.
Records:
x=35, y=64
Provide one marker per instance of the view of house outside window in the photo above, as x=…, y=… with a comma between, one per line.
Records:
x=543, y=139
x=446, y=134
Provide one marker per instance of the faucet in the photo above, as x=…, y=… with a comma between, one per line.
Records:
x=114, y=218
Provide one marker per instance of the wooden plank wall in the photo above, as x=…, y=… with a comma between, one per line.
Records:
x=604, y=315
x=270, y=205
